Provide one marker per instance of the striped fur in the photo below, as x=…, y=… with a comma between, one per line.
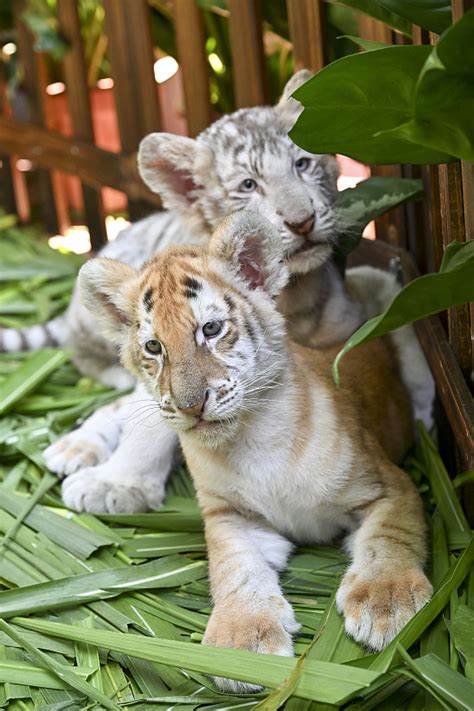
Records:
x=278, y=453
x=200, y=182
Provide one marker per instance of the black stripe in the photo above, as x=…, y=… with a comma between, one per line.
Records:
x=230, y=302
x=189, y=294
x=148, y=299
x=192, y=284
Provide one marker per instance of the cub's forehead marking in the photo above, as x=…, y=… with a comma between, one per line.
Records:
x=191, y=287
x=148, y=299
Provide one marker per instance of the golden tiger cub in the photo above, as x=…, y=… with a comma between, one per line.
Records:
x=279, y=454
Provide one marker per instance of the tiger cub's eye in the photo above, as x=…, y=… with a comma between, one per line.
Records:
x=212, y=328
x=153, y=346
x=302, y=164
x=248, y=185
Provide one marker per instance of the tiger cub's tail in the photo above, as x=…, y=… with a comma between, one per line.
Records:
x=32, y=338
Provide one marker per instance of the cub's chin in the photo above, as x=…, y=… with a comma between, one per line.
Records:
x=308, y=257
x=210, y=433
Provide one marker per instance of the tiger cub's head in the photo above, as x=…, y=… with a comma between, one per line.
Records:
x=246, y=159
x=199, y=328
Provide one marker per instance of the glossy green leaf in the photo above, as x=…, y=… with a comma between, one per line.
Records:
x=449, y=506
x=349, y=103
x=57, y=594
x=376, y=9
x=28, y=375
x=434, y=15
x=455, y=689
x=66, y=674
x=422, y=297
x=320, y=681
x=369, y=199
x=444, y=100
x=462, y=631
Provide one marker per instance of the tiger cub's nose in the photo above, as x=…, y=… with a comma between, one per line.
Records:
x=196, y=408
x=301, y=228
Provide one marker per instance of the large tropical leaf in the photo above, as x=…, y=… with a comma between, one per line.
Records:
x=434, y=15
x=444, y=100
x=410, y=104
x=369, y=199
x=353, y=100
x=380, y=11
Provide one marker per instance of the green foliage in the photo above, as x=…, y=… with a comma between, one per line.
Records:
x=371, y=198
x=407, y=104
x=434, y=15
x=380, y=11
x=101, y=627
x=429, y=294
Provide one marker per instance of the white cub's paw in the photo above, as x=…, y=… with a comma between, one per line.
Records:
x=263, y=627
x=75, y=451
x=376, y=607
x=96, y=490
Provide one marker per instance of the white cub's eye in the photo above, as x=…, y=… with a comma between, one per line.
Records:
x=212, y=328
x=302, y=164
x=248, y=185
x=153, y=346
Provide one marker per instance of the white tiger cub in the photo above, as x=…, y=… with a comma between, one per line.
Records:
x=279, y=454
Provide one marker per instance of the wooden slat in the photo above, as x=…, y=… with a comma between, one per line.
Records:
x=75, y=74
x=452, y=388
x=7, y=190
x=190, y=40
x=130, y=51
x=453, y=229
x=246, y=40
x=92, y=165
x=33, y=82
x=306, y=24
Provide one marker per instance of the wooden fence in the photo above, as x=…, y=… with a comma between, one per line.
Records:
x=424, y=230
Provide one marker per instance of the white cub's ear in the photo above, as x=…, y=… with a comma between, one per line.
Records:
x=166, y=163
x=252, y=248
x=287, y=103
x=106, y=288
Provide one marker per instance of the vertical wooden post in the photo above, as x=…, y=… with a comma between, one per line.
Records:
x=34, y=85
x=130, y=50
x=75, y=74
x=246, y=40
x=306, y=24
x=7, y=191
x=191, y=40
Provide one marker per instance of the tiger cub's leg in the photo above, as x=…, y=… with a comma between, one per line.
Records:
x=250, y=611
x=133, y=478
x=385, y=584
x=90, y=444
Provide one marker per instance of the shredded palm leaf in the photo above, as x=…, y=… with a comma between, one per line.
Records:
x=108, y=611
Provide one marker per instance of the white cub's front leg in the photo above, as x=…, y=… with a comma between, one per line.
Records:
x=133, y=474
x=250, y=611
x=90, y=444
x=385, y=585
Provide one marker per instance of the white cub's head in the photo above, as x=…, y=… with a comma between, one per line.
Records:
x=199, y=327
x=247, y=160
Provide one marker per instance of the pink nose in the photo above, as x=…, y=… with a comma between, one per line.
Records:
x=301, y=228
x=196, y=408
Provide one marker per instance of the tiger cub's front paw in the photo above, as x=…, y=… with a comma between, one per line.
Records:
x=265, y=628
x=75, y=451
x=376, y=607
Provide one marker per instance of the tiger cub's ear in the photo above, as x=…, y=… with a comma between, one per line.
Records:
x=252, y=248
x=107, y=288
